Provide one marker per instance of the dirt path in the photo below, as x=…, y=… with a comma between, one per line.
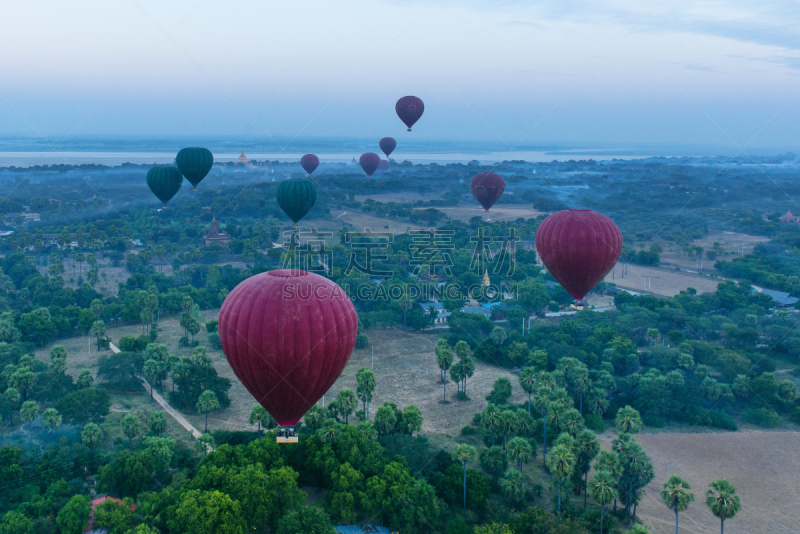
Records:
x=165, y=405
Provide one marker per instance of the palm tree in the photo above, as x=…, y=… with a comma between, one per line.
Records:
x=315, y=417
x=51, y=419
x=462, y=454
x=260, y=415
x=347, y=402
x=723, y=501
x=520, y=451
x=676, y=496
x=628, y=421
x=603, y=491
x=330, y=431
x=444, y=357
x=513, y=486
x=130, y=427
x=13, y=397
x=491, y=419
x=207, y=403
x=91, y=435
x=28, y=413
x=365, y=386
x=561, y=462
x=528, y=381
x=544, y=399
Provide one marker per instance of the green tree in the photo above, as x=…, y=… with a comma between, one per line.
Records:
x=628, y=420
x=346, y=401
x=676, y=496
x=24, y=380
x=259, y=415
x=58, y=351
x=528, y=380
x=308, y=520
x=28, y=413
x=444, y=358
x=501, y=391
x=115, y=517
x=204, y=512
x=519, y=451
x=491, y=418
x=13, y=398
x=513, y=486
x=314, y=418
x=561, y=462
x=344, y=495
x=16, y=523
x=603, y=491
x=462, y=454
x=73, y=518
x=385, y=419
x=51, y=420
x=206, y=404
x=498, y=336
x=158, y=423
x=787, y=392
x=85, y=379
x=365, y=386
x=495, y=461
x=130, y=426
x=586, y=450
x=91, y=434
x=723, y=502
x=99, y=331
x=412, y=419
x=151, y=372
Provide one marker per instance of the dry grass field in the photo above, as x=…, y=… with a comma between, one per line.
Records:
x=499, y=212
x=763, y=466
x=663, y=282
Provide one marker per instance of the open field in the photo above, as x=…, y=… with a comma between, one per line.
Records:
x=405, y=369
x=728, y=241
x=763, y=466
x=499, y=212
x=664, y=282
x=358, y=221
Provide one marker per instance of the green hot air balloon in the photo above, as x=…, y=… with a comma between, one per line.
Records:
x=296, y=197
x=194, y=163
x=164, y=181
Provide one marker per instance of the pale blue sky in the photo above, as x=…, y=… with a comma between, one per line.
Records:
x=722, y=72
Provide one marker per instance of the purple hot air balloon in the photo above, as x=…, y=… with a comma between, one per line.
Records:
x=409, y=109
x=309, y=163
x=388, y=145
x=384, y=165
x=369, y=162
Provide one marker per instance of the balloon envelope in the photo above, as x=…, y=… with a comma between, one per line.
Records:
x=296, y=197
x=387, y=145
x=309, y=162
x=287, y=336
x=487, y=187
x=164, y=181
x=369, y=162
x=579, y=248
x=384, y=165
x=194, y=163
x=409, y=109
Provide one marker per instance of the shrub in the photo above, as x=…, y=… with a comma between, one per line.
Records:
x=762, y=417
x=211, y=327
x=594, y=423
x=719, y=419
x=90, y=404
x=362, y=341
x=469, y=431
x=127, y=344
x=655, y=421
x=215, y=341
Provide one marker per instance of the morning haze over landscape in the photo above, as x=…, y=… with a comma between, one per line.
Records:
x=399, y=267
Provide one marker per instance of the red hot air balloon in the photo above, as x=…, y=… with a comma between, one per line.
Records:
x=579, y=248
x=384, y=165
x=487, y=187
x=309, y=162
x=369, y=162
x=409, y=109
x=387, y=145
x=287, y=335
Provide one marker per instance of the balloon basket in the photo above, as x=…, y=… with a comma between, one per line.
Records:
x=286, y=435
x=578, y=305
x=408, y=130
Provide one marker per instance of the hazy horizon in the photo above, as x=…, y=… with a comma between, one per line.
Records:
x=712, y=73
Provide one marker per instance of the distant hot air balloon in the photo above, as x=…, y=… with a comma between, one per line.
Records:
x=384, y=165
x=369, y=162
x=487, y=187
x=287, y=336
x=409, y=109
x=194, y=163
x=579, y=248
x=296, y=197
x=164, y=181
x=309, y=162
x=387, y=145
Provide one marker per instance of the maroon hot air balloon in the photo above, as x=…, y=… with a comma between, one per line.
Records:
x=409, y=109
x=309, y=162
x=287, y=335
x=369, y=162
x=487, y=188
x=387, y=145
x=384, y=165
x=578, y=247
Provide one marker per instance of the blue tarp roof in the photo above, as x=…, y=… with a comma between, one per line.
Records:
x=361, y=529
